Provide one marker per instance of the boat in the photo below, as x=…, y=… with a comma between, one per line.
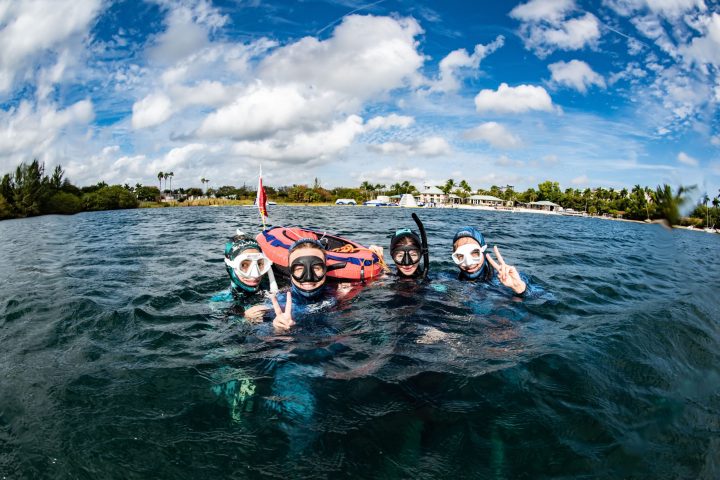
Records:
x=360, y=262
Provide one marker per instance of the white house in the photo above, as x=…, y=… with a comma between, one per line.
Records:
x=432, y=194
x=485, y=201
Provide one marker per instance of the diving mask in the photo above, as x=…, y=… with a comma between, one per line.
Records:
x=406, y=255
x=308, y=269
x=250, y=265
x=469, y=255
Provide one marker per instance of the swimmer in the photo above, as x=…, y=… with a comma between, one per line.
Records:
x=474, y=263
x=407, y=249
x=308, y=275
x=247, y=266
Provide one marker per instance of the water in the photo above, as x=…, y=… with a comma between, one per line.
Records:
x=115, y=364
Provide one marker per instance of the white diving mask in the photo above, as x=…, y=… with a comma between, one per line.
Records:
x=250, y=265
x=469, y=255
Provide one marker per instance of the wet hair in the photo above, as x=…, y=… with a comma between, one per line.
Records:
x=307, y=243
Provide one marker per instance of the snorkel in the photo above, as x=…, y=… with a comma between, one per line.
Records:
x=463, y=251
x=408, y=249
x=426, y=253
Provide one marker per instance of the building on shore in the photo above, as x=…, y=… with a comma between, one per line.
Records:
x=543, y=205
x=485, y=201
x=431, y=195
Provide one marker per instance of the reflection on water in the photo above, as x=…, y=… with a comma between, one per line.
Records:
x=116, y=364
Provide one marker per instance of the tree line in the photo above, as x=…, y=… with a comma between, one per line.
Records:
x=29, y=191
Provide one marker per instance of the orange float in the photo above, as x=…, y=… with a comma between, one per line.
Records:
x=360, y=262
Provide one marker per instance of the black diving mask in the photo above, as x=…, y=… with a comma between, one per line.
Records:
x=308, y=269
x=406, y=255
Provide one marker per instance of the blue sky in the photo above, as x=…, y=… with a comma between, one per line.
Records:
x=607, y=93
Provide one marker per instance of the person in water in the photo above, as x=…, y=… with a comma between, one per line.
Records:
x=308, y=270
x=247, y=266
x=469, y=254
x=407, y=250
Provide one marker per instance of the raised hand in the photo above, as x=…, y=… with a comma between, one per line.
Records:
x=507, y=274
x=283, y=320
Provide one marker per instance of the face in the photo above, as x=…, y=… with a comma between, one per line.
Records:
x=406, y=251
x=479, y=257
x=245, y=266
x=305, y=258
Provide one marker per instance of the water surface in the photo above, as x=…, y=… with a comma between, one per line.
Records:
x=116, y=364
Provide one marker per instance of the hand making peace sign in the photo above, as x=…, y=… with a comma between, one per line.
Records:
x=507, y=274
x=283, y=320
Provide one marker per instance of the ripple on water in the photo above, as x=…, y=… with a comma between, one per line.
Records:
x=116, y=364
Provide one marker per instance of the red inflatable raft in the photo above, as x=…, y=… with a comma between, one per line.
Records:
x=361, y=263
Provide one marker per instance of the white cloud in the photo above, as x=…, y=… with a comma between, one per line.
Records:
x=429, y=147
x=715, y=140
x=686, y=159
x=573, y=34
x=706, y=48
x=495, y=134
x=366, y=56
x=581, y=180
x=315, y=147
x=505, y=161
x=547, y=26
x=25, y=129
x=151, y=110
x=186, y=32
x=518, y=99
x=543, y=10
x=391, y=121
x=575, y=74
x=31, y=29
x=396, y=174
x=666, y=8
x=457, y=60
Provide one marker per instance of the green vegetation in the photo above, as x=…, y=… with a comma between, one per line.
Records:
x=29, y=191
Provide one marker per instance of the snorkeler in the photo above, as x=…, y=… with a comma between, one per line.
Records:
x=407, y=250
x=308, y=270
x=469, y=255
x=247, y=265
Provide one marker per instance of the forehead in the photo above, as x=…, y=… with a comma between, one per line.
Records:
x=465, y=241
x=306, y=252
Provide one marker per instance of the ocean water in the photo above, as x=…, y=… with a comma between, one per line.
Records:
x=115, y=363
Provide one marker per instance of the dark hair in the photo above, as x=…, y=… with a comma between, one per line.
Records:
x=307, y=243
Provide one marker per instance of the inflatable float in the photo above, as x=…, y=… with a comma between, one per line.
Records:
x=361, y=263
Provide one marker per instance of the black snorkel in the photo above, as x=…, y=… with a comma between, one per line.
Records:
x=424, y=246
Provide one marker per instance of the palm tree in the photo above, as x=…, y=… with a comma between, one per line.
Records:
x=706, y=199
x=669, y=203
x=160, y=176
x=171, y=174
x=447, y=188
x=366, y=186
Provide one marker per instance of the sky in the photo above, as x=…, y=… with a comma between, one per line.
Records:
x=607, y=93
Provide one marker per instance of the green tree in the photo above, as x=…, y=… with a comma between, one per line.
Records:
x=449, y=185
x=669, y=203
x=148, y=194
x=64, y=203
x=160, y=177
x=30, y=189
x=6, y=210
